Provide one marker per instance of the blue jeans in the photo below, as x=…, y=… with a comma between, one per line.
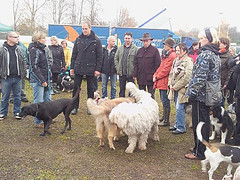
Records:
x=180, y=114
x=8, y=85
x=164, y=98
x=113, y=80
x=40, y=94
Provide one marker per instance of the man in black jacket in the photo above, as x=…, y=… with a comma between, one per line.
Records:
x=108, y=68
x=86, y=60
x=234, y=84
x=12, y=71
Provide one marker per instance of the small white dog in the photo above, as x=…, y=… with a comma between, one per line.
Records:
x=138, y=120
x=216, y=153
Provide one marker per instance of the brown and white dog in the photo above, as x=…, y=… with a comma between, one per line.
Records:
x=101, y=112
x=221, y=122
x=216, y=153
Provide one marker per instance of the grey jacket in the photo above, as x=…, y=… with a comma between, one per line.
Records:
x=4, y=62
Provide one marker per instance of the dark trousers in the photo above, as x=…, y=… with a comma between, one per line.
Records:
x=149, y=88
x=122, y=83
x=90, y=86
x=200, y=112
x=237, y=130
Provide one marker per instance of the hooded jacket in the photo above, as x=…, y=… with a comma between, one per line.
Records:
x=5, y=62
x=207, y=67
x=87, y=55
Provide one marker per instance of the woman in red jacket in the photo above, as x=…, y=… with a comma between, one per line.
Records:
x=160, y=78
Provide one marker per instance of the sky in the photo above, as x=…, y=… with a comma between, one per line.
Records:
x=179, y=14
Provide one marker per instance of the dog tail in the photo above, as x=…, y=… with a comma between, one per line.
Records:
x=93, y=107
x=199, y=134
x=76, y=96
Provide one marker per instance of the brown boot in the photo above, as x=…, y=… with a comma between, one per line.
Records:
x=165, y=122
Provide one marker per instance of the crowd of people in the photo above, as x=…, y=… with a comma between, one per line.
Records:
x=179, y=73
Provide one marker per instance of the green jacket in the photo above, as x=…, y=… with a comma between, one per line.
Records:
x=130, y=61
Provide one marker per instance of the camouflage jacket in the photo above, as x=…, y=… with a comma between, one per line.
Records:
x=207, y=67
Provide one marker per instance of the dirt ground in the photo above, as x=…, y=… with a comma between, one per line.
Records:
x=76, y=154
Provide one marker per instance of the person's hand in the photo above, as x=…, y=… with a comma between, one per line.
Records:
x=97, y=73
x=171, y=87
x=44, y=84
x=154, y=78
x=71, y=71
x=224, y=87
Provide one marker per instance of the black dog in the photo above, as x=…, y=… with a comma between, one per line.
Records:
x=222, y=122
x=47, y=111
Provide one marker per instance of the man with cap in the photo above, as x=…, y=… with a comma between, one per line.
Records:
x=160, y=78
x=146, y=62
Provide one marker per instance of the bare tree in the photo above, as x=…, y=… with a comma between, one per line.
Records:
x=124, y=20
x=59, y=10
x=94, y=8
x=32, y=8
x=16, y=13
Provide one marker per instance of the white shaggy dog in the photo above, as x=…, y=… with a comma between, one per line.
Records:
x=137, y=120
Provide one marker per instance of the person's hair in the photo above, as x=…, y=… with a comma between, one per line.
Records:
x=232, y=50
x=110, y=38
x=225, y=41
x=88, y=23
x=182, y=46
x=210, y=34
x=64, y=41
x=37, y=35
x=128, y=34
x=195, y=43
x=54, y=38
x=9, y=34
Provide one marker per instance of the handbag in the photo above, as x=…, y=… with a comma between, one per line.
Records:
x=213, y=93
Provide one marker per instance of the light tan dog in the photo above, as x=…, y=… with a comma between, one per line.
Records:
x=101, y=113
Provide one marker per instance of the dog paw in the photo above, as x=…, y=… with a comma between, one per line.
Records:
x=62, y=132
x=142, y=147
x=113, y=148
x=68, y=129
x=129, y=150
x=211, y=138
x=204, y=170
x=156, y=138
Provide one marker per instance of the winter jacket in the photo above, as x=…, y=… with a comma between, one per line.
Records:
x=130, y=61
x=225, y=70
x=87, y=55
x=163, y=71
x=58, y=58
x=207, y=67
x=234, y=81
x=179, y=77
x=108, y=65
x=39, y=65
x=146, y=62
x=5, y=61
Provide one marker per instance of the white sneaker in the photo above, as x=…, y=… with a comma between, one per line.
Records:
x=2, y=117
x=17, y=116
